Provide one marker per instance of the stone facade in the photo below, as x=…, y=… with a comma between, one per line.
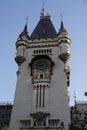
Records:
x=41, y=98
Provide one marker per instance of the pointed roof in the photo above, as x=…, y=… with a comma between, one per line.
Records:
x=62, y=25
x=44, y=29
x=24, y=32
x=25, y=29
x=62, y=28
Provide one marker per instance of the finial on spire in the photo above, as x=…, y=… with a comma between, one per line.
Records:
x=43, y=4
x=61, y=17
x=26, y=20
x=42, y=11
x=25, y=28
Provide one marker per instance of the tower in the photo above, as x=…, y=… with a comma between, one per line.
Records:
x=41, y=98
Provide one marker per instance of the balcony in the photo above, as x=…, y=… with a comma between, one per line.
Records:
x=52, y=124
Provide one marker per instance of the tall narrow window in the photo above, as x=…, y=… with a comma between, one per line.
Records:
x=50, y=50
x=40, y=96
x=37, y=98
x=43, y=95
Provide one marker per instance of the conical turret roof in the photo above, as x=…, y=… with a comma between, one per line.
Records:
x=62, y=29
x=24, y=32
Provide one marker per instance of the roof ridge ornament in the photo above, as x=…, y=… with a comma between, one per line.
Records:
x=42, y=11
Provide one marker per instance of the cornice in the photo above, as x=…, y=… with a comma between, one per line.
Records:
x=42, y=45
x=37, y=43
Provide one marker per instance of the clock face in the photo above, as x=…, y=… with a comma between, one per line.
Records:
x=41, y=64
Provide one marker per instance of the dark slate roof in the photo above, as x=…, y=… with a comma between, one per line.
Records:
x=44, y=29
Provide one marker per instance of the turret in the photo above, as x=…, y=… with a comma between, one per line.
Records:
x=64, y=43
x=21, y=46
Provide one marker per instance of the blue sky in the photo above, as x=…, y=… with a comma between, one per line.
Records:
x=12, y=20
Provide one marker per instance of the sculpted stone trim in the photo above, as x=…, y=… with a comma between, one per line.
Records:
x=20, y=44
x=41, y=46
x=64, y=57
x=39, y=115
x=64, y=41
x=43, y=40
x=36, y=46
x=19, y=60
x=63, y=37
x=36, y=43
x=35, y=85
x=36, y=82
x=22, y=39
x=41, y=57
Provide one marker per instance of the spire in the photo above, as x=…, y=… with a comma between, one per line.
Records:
x=74, y=97
x=62, y=28
x=25, y=27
